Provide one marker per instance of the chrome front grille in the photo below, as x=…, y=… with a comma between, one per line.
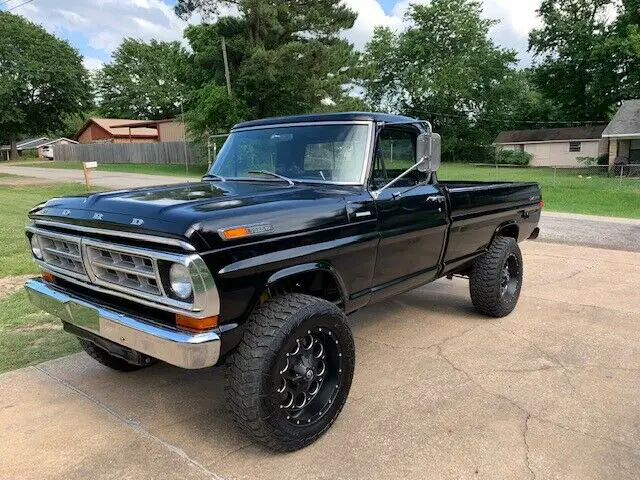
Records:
x=62, y=252
x=124, y=271
x=124, y=268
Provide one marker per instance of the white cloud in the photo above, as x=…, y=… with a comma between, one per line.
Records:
x=518, y=18
x=370, y=15
x=91, y=63
x=104, y=23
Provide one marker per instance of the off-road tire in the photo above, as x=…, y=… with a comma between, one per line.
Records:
x=486, y=278
x=106, y=359
x=249, y=383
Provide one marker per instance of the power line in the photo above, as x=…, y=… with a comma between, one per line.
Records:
x=513, y=121
x=13, y=8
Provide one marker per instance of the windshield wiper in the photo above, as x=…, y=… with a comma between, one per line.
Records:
x=214, y=175
x=273, y=174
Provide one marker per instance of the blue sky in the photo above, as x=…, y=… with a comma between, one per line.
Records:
x=96, y=28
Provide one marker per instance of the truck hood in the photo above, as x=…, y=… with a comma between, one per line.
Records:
x=196, y=211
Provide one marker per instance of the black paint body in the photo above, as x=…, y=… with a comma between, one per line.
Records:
x=371, y=248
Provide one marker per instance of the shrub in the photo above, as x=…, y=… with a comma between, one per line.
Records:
x=513, y=157
x=587, y=161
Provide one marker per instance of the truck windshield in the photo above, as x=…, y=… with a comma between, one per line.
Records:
x=324, y=153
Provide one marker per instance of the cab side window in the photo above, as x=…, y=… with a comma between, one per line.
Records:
x=395, y=152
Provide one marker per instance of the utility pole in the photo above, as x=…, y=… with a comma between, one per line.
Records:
x=226, y=66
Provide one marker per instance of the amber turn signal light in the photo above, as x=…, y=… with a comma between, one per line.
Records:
x=48, y=277
x=196, y=323
x=541, y=204
x=239, y=232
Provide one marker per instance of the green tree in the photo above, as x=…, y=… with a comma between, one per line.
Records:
x=214, y=111
x=284, y=57
x=444, y=67
x=41, y=80
x=274, y=22
x=576, y=58
x=142, y=81
x=624, y=43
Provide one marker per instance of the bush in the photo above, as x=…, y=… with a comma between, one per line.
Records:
x=513, y=157
x=587, y=161
x=603, y=159
x=28, y=154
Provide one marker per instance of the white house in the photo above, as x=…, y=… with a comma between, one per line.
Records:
x=43, y=146
x=623, y=133
x=556, y=146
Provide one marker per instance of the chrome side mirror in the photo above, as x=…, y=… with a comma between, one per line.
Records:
x=428, y=157
x=428, y=152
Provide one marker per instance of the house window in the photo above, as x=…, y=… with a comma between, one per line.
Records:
x=520, y=147
x=575, y=147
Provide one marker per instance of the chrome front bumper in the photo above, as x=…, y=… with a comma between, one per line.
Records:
x=183, y=349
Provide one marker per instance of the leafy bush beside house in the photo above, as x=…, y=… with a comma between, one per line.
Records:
x=513, y=157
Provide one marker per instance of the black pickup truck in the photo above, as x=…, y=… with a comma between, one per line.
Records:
x=301, y=221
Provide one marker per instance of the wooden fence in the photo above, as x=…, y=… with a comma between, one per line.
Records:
x=162, y=153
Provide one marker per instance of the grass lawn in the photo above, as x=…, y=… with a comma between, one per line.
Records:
x=28, y=335
x=150, y=169
x=567, y=192
x=16, y=201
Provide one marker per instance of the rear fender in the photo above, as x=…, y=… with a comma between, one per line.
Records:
x=507, y=229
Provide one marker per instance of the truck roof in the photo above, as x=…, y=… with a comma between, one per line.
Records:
x=326, y=117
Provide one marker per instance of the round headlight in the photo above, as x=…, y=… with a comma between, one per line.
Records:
x=180, y=281
x=35, y=247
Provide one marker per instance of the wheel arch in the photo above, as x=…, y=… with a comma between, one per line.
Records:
x=313, y=275
x=507, y=229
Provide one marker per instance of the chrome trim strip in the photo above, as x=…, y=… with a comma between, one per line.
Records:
x=114, y=293
x=367, y=154
x=114, y=233
x=301, y=124
x=61, y=272
x=180, y=348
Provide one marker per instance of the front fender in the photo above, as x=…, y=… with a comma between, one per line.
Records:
x=306, y=268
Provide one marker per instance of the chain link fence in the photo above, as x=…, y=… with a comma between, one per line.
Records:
x=621, y=175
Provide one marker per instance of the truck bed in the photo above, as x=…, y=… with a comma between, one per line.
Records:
x=478, y=209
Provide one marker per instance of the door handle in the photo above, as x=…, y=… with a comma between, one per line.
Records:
x=437, y=198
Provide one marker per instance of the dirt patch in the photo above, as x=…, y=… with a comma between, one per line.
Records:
x=8, y=285
x=22, y=181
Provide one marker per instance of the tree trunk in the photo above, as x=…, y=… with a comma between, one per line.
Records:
x=14, y=149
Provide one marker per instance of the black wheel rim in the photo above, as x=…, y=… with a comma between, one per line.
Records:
x=308, y=376
x=510, y=277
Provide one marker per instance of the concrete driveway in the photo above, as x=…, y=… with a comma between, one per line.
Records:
x=552, y=391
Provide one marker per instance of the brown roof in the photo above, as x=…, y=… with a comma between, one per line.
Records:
x=146, y=123
x=551, y=135
x=114, y=127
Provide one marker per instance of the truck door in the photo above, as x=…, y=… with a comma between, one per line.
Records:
x=412, y=216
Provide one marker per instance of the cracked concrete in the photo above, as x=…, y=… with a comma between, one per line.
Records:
x=552, y=391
